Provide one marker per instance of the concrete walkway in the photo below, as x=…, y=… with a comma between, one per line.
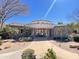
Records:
x=40, y=48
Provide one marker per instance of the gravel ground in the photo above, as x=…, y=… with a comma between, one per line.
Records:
x=65, y=45
x=13, y=46
x=40, y=48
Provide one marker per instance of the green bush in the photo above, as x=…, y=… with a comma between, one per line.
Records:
x=70, y=37
x=76, y=37
x=50, y=54
x=28, y=54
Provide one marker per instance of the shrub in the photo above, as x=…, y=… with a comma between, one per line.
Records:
x=50, y=54
x=28, y=54
x=23, y=39
x=76, y=37
x=0, y=37
x=70, y=37
x=0, y=42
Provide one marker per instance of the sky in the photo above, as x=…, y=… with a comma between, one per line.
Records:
x=37, y=9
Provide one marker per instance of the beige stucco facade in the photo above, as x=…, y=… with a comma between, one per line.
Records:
x=44, y=27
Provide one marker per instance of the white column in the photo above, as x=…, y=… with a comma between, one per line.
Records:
x=46, y=32
x=32, y=32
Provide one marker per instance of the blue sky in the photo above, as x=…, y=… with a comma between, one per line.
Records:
x=38, y=8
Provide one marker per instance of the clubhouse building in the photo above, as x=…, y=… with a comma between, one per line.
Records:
x=43, y=28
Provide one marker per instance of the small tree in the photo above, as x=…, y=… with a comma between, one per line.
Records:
x=28, y=54
x=50, y=54
x=10, y=8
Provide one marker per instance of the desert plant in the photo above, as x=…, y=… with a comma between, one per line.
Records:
x=0, y=42
x=0, y=37
x=50, y=54
x=70, y=37
x=28, y=54
x=76, y=37
x=23, y=39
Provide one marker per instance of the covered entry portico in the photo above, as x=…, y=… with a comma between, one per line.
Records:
x=41, y=28
x=41, y=32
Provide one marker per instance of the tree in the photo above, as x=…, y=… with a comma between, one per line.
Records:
x=50, y=55
x=74, y=15
x=10, y=8
x=73, y=26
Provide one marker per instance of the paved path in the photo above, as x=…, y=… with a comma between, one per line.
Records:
x=40, y=48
